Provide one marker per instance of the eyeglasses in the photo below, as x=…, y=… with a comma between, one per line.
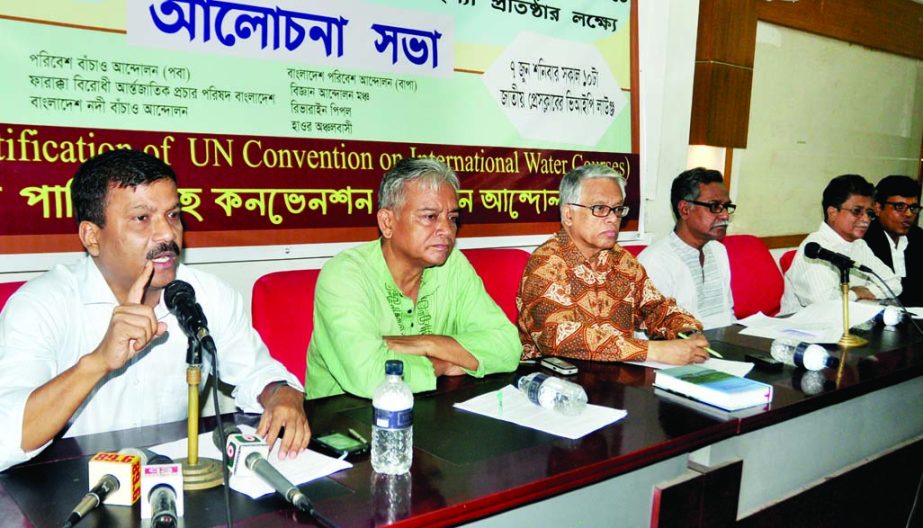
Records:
x=858, y=210
x=716, y=207
x=900, y=207
x=603, y=211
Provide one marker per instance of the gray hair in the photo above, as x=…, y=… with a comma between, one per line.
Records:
x=431, y=173
x=569, y=192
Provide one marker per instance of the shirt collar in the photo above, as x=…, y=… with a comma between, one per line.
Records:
x=572, y=255
x=683, y=248
x=829, y=235
x=93, y=288
x=91, y=284
x=384, y=273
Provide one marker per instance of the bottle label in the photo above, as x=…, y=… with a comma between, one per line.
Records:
x=393, y=419
x=798, y=355
x=534, y=385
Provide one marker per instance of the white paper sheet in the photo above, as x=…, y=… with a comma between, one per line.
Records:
x=820, y=322
x=916, y=311
x=308, y=466
x=516, y=408
x=736, y=368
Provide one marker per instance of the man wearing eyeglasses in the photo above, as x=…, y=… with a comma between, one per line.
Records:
x=691, y=264
x=847, y=206
x=895, y=237
x=583, y=296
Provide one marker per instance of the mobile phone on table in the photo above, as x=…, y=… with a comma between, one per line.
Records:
x=764, y=362
x=559, y=365
x=340, y=445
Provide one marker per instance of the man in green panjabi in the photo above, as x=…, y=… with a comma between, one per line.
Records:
x=409, y=295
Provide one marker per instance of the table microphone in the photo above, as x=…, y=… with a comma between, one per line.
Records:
x=117, y=478
x=814, y=251
x=179, y=296
x=247, y=456
x=162, y=485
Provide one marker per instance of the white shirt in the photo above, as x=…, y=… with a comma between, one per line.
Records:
x=811, y=280
x=673, y=277
x=897, y=254
x=53, y=320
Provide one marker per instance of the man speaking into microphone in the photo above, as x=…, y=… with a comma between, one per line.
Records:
x=847, y=208
x=90, y=346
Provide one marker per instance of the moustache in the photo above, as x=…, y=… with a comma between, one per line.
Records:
x=721, y=223
x=163, y=247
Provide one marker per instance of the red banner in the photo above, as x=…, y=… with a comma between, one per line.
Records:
x=254, y=190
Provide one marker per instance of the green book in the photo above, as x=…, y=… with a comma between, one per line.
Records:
x=714, y=387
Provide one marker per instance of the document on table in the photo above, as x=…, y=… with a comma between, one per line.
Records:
x=735, y=368
x=915, y=311
x=821, y=322
x=306, y=467
x=510, y=405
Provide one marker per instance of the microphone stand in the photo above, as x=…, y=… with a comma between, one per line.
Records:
x=847, y=340
x=198, y=473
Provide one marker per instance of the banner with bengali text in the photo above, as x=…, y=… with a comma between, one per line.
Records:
x=280, y=116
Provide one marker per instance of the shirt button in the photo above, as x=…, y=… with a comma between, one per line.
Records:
x=409, y=311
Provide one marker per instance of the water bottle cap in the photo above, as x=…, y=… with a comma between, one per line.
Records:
x=394, y=367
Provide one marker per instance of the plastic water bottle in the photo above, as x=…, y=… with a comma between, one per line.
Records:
x=392, y=422
x=798, y=354
x=391, y=495
x=553, y=393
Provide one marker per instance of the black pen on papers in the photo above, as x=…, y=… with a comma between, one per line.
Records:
x=707, y=349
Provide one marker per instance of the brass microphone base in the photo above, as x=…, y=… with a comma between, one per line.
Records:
x=849, y=341
x=204, y=475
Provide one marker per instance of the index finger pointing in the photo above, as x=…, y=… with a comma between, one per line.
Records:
x=136, y=293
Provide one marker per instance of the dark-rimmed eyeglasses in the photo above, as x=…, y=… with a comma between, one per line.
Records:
x=858, y=211
x=900, y=207
x=716, y=207
x=603, y=211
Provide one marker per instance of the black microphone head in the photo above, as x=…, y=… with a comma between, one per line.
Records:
x=811, y=250
x=228, y=429
x=159, y=459
x=178, y=293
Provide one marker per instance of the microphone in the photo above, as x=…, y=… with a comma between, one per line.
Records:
x=814, y=251
x=179, y=296
x=117, y=478
x=247, y=456
x=162, y=484
x=148, y=457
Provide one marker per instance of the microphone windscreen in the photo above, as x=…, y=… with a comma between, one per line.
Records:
x=229, y=429
x=126, y=468
x=811, y=249
x=175, y=292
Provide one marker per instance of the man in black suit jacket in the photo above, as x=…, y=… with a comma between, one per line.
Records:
x=895, y=237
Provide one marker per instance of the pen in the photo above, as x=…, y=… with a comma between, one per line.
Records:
x=357, y=436
x=707, y=349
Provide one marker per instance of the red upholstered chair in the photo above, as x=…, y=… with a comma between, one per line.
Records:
x=7, y=289
x=501, y=271
x=785, y=261
x=756, y=283
x=283, y=314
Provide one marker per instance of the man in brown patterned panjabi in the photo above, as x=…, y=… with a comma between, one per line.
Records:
x=583, y=296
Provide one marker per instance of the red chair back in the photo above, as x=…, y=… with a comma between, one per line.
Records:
x=634, y=249
x=283, y=314
x=785, y=261
x=756, y=282
x=501, y=271
x=7, y=289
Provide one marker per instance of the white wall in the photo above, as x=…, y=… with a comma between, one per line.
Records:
x=667, y=38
